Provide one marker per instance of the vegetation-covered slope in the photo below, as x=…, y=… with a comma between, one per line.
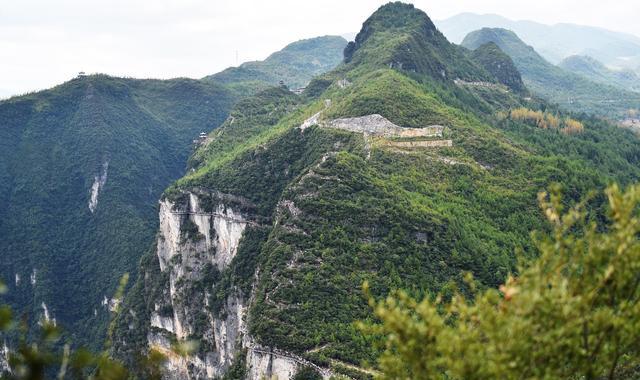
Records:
x=408, y=40
x=572, y=91
x=500, y=65
x=81, y=169
x=331, y=208
x=295, y=64
x=121, y=140
x=597, y=72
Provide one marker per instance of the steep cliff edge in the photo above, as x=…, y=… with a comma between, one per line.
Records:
x=200, y=277
x=82, y=166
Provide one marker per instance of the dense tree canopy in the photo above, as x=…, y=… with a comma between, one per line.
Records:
x=572, y=313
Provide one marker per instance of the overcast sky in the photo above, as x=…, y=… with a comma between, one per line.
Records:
x=46, y=42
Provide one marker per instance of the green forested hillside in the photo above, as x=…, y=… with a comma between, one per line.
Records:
x=573, y=92
x=500, y=65
x=389, y=38
x=596, y=71
x=137, y=134
x=295, y=64
x=121, y=142
x=335, y=207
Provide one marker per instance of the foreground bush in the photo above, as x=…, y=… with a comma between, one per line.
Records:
x=571, y=314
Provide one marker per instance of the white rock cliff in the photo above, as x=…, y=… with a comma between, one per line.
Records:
x=185, y=258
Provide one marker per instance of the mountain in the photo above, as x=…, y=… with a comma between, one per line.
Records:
x=82, y=166
x=407, y=166
x=596, y=71
x=385, y=41
x=554, y=42
x=500, y=65
x=572, y=91
x=295, y=64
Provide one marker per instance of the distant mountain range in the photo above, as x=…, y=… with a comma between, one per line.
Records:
x=598, y=72
x=554, y=42
x=570, y=90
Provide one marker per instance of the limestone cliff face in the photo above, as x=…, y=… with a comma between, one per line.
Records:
x=193, y=242
x=200, y=236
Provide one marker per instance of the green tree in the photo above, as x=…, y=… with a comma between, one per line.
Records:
x=571, y=314
x=307, y=373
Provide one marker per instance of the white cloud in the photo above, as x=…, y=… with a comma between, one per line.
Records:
x=45, y=42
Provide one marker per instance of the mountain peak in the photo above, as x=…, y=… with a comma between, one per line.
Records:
x=506, y=40
x=402, y=37
x=399, y=15
x=500, y=65
x=391, y=18
x=485, y=35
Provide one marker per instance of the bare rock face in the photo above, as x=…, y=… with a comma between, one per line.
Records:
x=4, y=358
x=262, y=364
x=278, y=364
x=378, y=125
x=192, y=241
x=375, y=125
x=199, y=235
x=98, y=183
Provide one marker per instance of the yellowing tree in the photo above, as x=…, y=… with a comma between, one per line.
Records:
x=573, y=313
x=546, y=120
x=572, y=126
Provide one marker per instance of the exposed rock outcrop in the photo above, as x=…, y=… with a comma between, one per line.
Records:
x=378, y=125
x=277, y=364
x=420, y=144
x=98, y=183
x=193, y=241
x=374, y=125
x=200, y=234
x=4, y=358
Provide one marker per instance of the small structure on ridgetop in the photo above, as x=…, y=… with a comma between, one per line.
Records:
x=298, y=91
x=202, y=137
x=82, y=74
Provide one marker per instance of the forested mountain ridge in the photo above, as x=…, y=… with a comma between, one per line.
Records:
x=295, y=64
x=500, y=65
x=598, y=72
x=407, y=166
x=573, y=92
x=82, y=166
